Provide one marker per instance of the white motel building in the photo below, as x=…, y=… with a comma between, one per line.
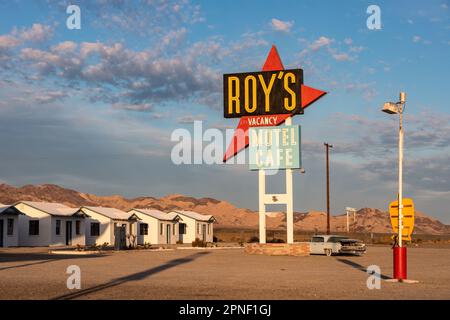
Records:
x=49, y=224
x=157, y=227
x=41, y=224
x=102, y=222
x=9, y=226
x=195, y=226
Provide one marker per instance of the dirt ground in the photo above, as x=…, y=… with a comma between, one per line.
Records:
x=33, y=273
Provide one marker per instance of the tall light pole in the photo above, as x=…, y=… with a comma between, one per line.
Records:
x=327, y=147
x=400, y=250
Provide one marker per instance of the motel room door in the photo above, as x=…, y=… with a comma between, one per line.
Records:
x=181, y=231
x=168, y=233
x=1, y=233
x=204, y=232
x=68, y=233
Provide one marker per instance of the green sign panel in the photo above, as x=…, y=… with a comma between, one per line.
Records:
x=274, y=148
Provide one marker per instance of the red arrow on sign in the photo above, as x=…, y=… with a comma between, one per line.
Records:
x=240, y=138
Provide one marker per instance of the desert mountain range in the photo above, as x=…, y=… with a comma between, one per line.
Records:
x=227, y=215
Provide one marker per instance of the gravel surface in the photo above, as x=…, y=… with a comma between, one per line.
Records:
x=33, y=273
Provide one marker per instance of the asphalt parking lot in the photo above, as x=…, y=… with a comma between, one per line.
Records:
x=33, y=273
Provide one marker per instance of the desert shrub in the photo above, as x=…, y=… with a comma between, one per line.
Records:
x=94, y=247
x=253, y=239
x=215, y=239
x=198, y=243
x=147, y=245
x=179, y=242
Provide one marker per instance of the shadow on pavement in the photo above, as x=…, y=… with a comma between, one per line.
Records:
x=359, y=267
x=40, y=258
x=132, y=277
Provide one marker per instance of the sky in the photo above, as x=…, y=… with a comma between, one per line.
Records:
x=93, y=109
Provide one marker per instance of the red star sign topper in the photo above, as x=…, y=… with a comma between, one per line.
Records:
x=273, y=62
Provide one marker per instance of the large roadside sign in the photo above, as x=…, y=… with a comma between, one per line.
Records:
x=264, y=101
x=408, y=217
x=273, y=148
x=265, y=98
x=262, y=93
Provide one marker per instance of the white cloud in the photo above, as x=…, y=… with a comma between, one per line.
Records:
x=348, y=41
x=341, y=57
x=66, y=46
x=419, y=39
x=141, y=107
x=191, y=118
x=174, y=37
x=37, y=33
x=8, y=42
x=324, y=42
x=356, y=49
x=367, y=89
x=280, y=25
x=321, y=42
x=129, y=76
x=49, y=96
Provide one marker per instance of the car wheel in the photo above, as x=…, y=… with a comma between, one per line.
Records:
x=328, y=252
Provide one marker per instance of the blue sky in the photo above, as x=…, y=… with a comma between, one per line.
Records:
x=93, y=109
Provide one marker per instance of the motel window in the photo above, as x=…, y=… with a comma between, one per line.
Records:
x=161, y=227
x=95, y=229
x=198, y=228
x=143, y=229
x=33, y=229
x=10, y=228
x=58, y=227
x=182, y=228
x=77, y=227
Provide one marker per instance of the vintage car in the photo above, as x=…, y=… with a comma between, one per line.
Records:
x=334, y=244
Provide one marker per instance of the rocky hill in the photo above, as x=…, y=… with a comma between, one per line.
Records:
x=227, y=215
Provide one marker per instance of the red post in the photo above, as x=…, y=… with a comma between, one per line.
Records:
x=400, y=263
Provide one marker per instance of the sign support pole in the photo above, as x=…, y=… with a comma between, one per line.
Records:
x=348, y=226
x=290, y=202
x=262, y=205
x=287, y=198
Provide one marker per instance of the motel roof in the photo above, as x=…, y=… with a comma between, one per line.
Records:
x=160, y=215
x=51, y=208
x=197, y=216
x=112, y=213
x=9, y=209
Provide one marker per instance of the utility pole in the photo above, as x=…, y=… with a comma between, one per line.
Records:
x=327, y=147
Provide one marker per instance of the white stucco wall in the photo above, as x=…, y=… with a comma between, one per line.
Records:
x=154, y=236
x=60, y=240
x=47, y=228
x=191, y=229
x=106, y=228
x=10, y=240
x=30, y=213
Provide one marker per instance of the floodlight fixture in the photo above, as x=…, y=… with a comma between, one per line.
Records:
x=390, y=108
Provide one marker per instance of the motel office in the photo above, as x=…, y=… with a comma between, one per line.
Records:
x=33, y=224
